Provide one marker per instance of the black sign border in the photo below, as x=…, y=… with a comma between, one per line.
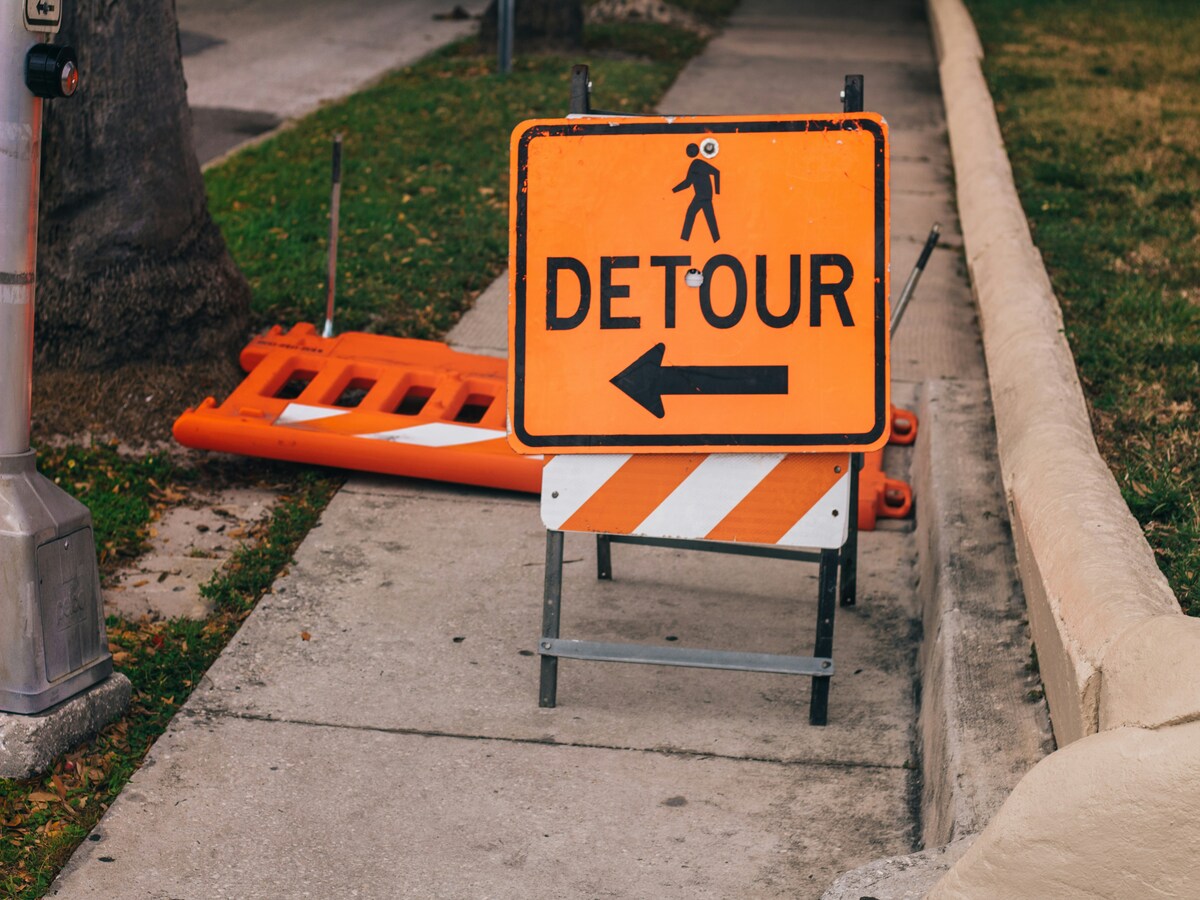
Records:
x=601, y=442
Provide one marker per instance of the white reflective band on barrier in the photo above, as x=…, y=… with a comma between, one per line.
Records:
x=295, y=413
x=429, y=434
x=437, y=434
x=708, y=495
x=575, y=483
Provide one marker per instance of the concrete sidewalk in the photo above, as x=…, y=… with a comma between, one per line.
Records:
x=400, y=751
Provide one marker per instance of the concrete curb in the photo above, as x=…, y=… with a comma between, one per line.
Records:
x=1087, y=570
x=1101, y=817
x=979, y=734
x=1104, y=817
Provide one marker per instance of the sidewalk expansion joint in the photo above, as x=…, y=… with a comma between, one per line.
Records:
x=550, y=742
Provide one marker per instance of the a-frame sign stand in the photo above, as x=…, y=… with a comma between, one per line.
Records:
x=819, y=666
x=831, y=562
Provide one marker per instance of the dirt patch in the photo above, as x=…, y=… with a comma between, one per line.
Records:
x=135, y=404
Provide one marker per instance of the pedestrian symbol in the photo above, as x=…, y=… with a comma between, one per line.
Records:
x=705, y=180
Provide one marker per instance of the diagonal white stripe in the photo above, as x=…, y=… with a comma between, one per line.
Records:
x=708, y=495
x=295, y=413
x=436, y=434
x=570, y=480
x=820, y=527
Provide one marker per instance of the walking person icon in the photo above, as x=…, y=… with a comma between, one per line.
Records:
x=705, y=180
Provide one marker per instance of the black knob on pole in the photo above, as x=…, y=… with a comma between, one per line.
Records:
x=51, y=70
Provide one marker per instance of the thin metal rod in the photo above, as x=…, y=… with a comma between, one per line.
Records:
x=335, y=205
x=718, y=547
x=581, y=91
x=852, y=94
x=688, y=657
x=818, y=710
x=849, y=551
x=915, y=275
x=604, y=557
x=504, y=35
x=551, y=612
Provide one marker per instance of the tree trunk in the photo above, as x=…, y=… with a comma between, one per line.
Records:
x=131, y=266
x=537, y=25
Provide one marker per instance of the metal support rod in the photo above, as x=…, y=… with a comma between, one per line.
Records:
x=551, y=610
x=849, y=551
x=581, y=91
x=20, y=158
x=715, y=547
x=689, y=657
x=604, y=557
x=852, y=94
x=911, y=285
x=335, y=205
x=818, y=710
x=505, y=27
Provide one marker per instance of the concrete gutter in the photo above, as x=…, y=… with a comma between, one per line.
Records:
x=1105, y=816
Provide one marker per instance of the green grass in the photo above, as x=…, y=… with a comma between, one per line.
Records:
x=424, y=229
x=1099, y=103
x=424, y=206
x=121, y=491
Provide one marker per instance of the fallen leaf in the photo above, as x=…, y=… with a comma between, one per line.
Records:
x=42, y=797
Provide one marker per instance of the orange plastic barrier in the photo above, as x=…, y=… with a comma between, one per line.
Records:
x=362, y=401
x=879, y=495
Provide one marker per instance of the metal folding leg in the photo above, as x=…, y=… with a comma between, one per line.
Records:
x=551, y=611
x=818, y=710
x=849, y=551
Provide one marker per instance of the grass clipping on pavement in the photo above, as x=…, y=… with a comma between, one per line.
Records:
x=1099, y=104
x=424, y=229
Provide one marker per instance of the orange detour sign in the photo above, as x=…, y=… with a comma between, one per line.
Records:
x=699, y=284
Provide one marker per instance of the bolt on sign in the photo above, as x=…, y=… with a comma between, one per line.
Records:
x=711, y=284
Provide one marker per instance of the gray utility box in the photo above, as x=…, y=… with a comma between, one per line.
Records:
x=52, y=639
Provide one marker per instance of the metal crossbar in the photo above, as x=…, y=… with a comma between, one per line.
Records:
x=819, y=666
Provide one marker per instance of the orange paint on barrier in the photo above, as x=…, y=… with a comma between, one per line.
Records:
x=368, y=402
x=904, y=427
x=879, y=495
x=803, y=478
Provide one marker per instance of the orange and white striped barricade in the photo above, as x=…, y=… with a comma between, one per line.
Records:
x=762, y=504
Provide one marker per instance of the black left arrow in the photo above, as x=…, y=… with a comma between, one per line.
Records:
x=647, y=380
x=45, y=8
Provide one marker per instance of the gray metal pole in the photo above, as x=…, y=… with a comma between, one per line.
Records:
x=52, y=638
x=335, y=205
x=505, y=14
x=20, y=155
